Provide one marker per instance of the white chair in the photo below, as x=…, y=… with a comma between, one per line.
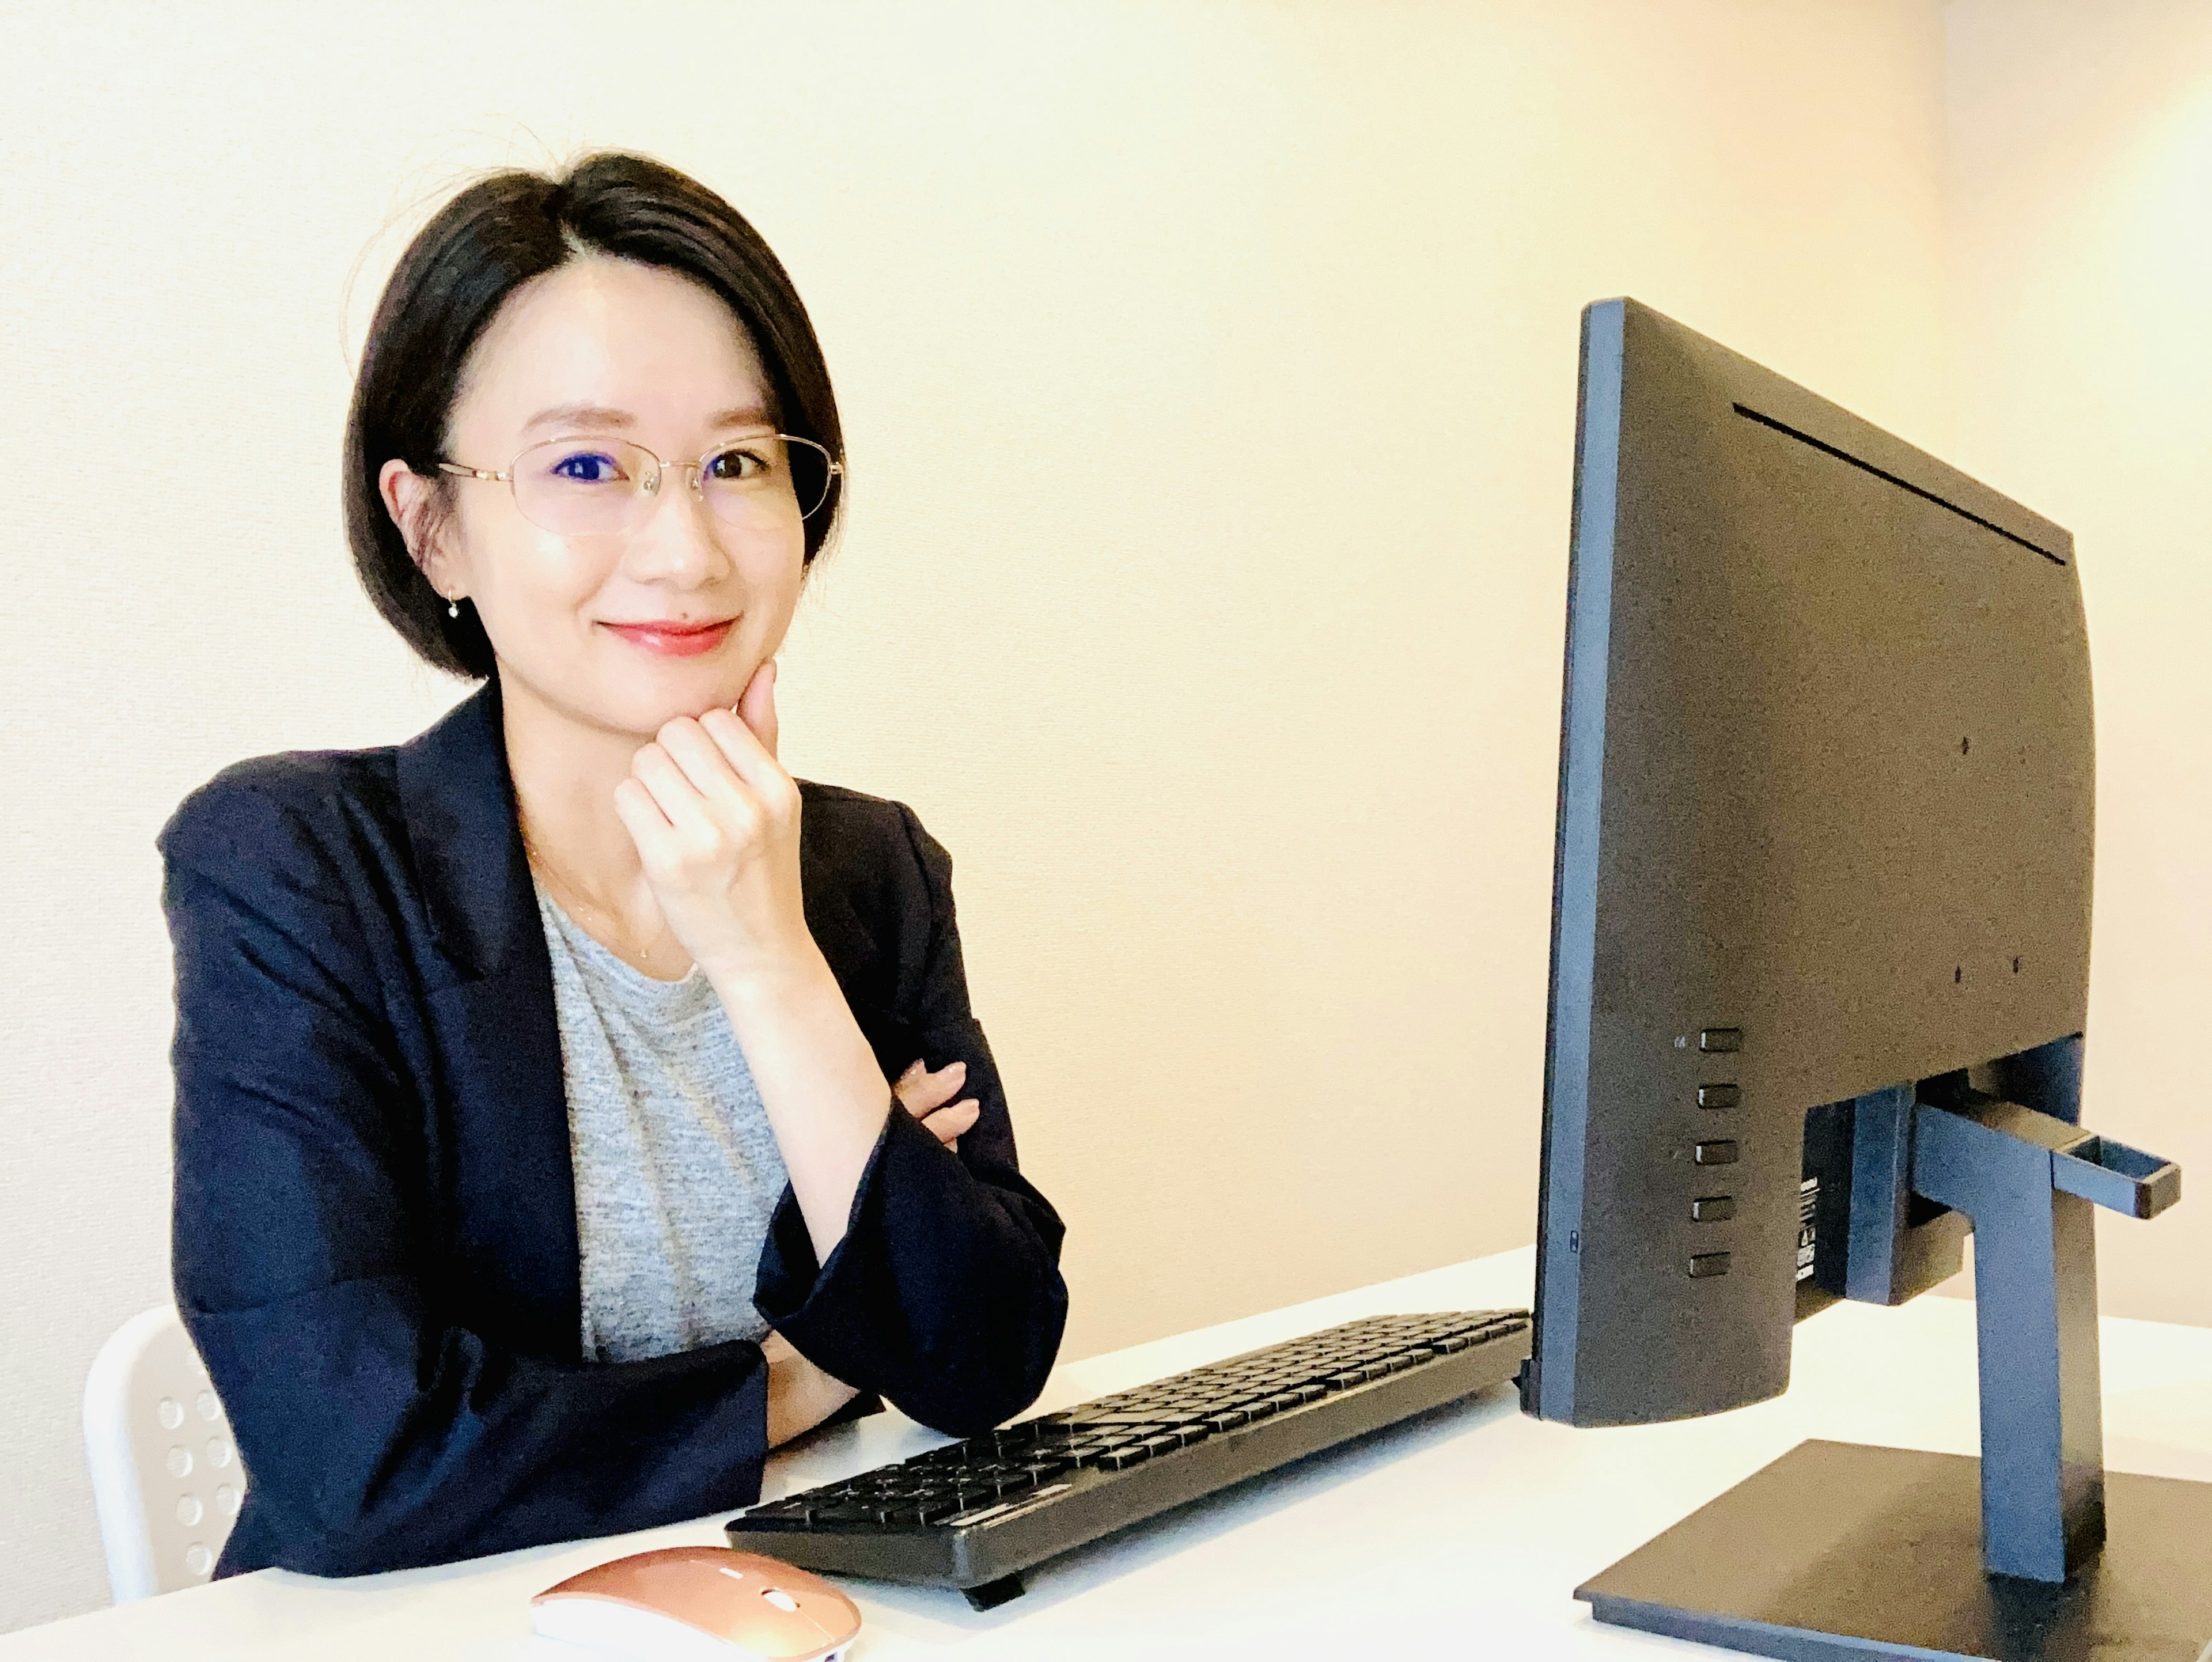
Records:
x=165, y=1476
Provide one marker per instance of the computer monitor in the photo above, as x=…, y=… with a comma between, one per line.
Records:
x=1820, y=941
x=1825, y=794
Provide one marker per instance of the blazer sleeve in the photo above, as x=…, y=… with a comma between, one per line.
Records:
x=944, y=1294
x=374, y=1435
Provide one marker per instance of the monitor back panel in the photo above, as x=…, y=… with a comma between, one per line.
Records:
x=1824, y=826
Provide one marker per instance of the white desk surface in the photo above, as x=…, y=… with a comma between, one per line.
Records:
x=1467, y=1530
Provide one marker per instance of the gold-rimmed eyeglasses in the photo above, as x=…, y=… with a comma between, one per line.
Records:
x=586, y=487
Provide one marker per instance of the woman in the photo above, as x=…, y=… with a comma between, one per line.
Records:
x=538, y=1163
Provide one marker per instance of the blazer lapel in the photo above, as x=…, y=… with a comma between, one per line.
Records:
x=508, y=1185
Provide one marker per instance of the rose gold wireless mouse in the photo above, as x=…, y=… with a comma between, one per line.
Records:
x=700, y=1605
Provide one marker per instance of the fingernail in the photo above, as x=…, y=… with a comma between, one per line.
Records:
x=959, y=1067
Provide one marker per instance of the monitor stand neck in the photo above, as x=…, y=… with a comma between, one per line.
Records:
x=2028, y=1182
x=1864, y=1552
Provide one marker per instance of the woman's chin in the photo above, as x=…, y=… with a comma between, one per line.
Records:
x=677, y=688
x=633, y=698
x=721, y=694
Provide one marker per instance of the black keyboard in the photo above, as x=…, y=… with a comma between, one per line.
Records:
x=974, y=1514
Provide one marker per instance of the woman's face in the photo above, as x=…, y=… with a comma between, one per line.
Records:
x=622, y=630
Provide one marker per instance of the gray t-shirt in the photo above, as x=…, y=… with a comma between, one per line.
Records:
x=678, y=1171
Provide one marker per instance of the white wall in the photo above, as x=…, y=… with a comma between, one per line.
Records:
x=2079, y=198
x=1209, y=371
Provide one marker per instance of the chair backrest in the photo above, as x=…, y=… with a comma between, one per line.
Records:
x=166, y=1476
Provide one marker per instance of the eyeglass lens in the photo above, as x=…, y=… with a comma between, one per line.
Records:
x=590, y=486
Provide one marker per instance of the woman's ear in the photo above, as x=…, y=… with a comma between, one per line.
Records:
x=410, y=500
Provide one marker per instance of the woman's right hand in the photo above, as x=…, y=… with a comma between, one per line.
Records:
x=800, y=1396
x=923, y=1095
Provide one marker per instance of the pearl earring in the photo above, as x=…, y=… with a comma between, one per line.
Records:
x=453, y=608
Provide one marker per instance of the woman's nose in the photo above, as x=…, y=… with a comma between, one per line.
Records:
x=677, y=541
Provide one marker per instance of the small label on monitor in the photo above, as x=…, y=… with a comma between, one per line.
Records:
x=1808, y=1202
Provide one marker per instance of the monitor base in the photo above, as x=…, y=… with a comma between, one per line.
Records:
x=1840, y=1552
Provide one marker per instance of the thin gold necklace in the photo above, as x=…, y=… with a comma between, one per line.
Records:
x=565, y=892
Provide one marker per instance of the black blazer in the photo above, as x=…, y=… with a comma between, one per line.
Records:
x=376, y=1218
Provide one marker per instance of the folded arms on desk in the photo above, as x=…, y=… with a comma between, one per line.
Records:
x=383, y=1421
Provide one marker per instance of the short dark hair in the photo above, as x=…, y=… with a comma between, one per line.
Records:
x=481, y=246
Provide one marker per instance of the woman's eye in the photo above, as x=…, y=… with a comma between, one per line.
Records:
x=738, y=464
x=586, y=468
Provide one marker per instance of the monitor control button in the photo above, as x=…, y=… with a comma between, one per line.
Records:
x=1719, y=1041
x=1713, y=1208
x=1715, y=1154
x=1703, y=1265
x=1718, y=1096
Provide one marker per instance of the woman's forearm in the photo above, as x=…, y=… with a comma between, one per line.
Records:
x=826, y=1097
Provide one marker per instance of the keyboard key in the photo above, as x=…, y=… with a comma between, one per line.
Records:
x=788, y=1516
x=844, y=1515
x=974, y=1514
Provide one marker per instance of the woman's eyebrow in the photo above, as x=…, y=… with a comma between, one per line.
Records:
x=602, y=416
x=580, y=415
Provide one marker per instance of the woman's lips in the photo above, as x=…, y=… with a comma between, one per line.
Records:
x=675, y=640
